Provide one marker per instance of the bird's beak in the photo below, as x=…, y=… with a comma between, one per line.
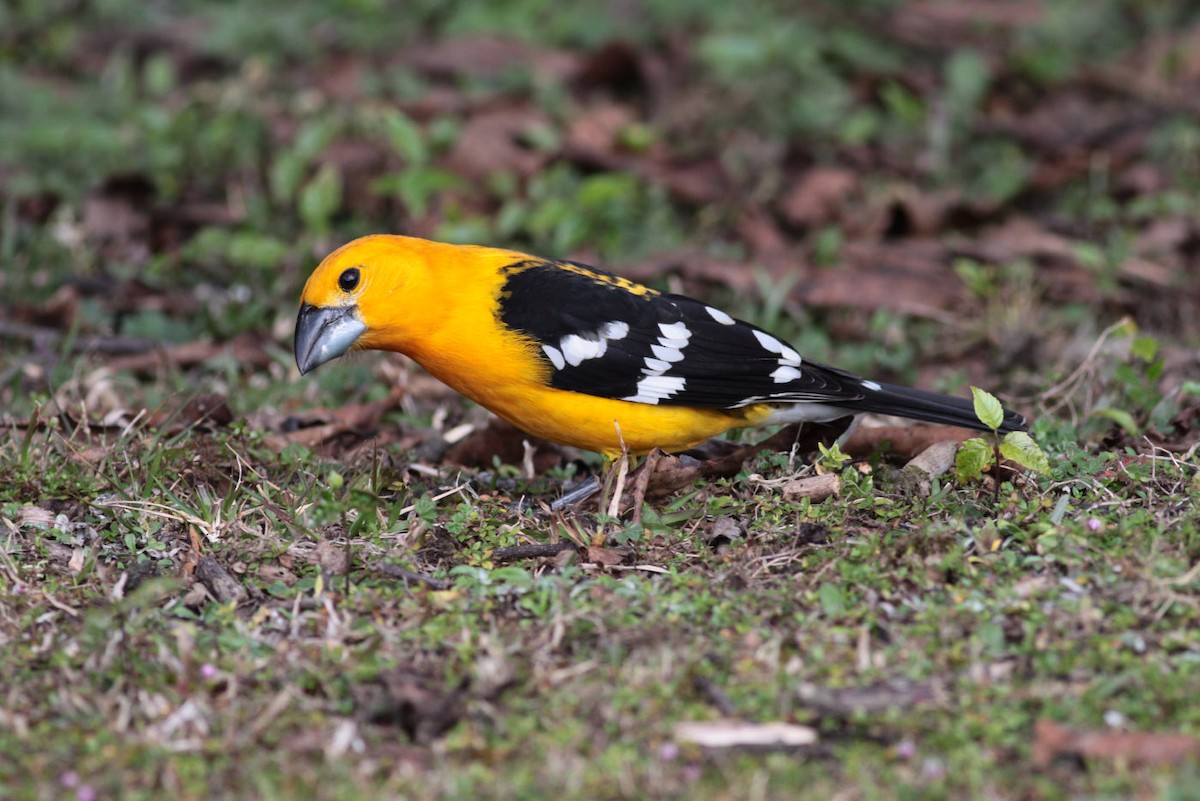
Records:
x=325, y=333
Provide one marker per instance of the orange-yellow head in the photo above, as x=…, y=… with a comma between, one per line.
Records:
x=369, y=293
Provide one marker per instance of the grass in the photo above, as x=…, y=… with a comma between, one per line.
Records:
x=172, y=174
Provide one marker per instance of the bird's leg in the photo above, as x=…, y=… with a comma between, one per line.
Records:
x=641, y=483
x=610, y=504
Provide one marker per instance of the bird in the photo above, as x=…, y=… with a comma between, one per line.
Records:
x=578, y=355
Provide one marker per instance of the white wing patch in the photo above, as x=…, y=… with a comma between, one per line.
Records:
x=617, y=329
x=575, y=349
x=666, y=353
x=720, y=316
x=655, y=386
x=872, y=385
x=786, y=373
x=555, y=356
x=767, y=341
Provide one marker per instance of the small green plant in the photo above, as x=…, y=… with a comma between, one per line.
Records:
x=978, y=454
x=831, y=459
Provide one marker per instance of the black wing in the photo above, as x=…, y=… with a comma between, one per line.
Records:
x=600, y=334
x=604, y=335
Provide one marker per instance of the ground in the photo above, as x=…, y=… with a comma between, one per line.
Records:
x=219, y=579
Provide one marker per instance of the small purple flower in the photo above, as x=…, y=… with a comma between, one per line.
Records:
x=1094, y=524
x=906, y=749
x=668, y=752
x=70, y=779
x=85, y=793
x=208, y=671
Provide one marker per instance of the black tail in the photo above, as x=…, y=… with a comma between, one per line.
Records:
x=930, y=407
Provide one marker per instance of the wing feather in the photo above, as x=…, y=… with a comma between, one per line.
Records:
x=656, y=348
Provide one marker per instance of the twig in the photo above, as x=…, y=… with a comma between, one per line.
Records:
x=715, y=695
x=538, y=551
x=410, y=576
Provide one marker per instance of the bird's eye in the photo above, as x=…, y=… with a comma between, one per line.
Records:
x=348, y=279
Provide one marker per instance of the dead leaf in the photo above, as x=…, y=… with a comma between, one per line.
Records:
x=1052, y=740
x=817, y=196
x=815, y=488
x=277, y=573
x=494, y=141
x=606, y=557
x=504, y=441
x=725, y=530
x=78, y=558
x=902, y=442
x=219, y=581
x=489, y=55
x=596, y=131
x=914, y=276
x=333, y=558
x=246, y=349
x=935, y=460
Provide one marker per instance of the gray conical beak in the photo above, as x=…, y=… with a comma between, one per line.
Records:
x=325, y=333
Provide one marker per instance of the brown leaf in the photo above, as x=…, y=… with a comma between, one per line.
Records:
x=207, y=410
x=501, y=439
x=274, y=573
x=59, y=312
x=694, y=182
x=492, y=141
x=932, y=461
x=115, y=213
x=219, y=581
x=903, y=442
x=333, y=558
x=489, y=55
x=1052, y=740
x=914, y=276
x=247, y=349
x=606, y=557
x=817, y=196
x=596, y=129
x=955, y=23
x=815, y=488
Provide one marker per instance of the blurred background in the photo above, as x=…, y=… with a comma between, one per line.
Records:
x=209, y=566
x=934, y=192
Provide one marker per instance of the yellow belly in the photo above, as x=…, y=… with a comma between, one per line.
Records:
x=609, y=426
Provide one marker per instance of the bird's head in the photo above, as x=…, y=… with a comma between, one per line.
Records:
x=362, y=296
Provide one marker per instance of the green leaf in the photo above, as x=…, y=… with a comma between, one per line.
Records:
x=1145, y=348
x=987, y=408
x=1119, y=416
x=833, y=600
x=405, y=137
x=321, y=198
x=1021, y=448
x=973, y=456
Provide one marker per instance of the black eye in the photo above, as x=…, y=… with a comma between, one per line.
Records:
x=348, y=279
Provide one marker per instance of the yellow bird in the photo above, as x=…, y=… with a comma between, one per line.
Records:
x=578, y=355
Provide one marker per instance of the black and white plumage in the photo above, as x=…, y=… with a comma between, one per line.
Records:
x=605, y=336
